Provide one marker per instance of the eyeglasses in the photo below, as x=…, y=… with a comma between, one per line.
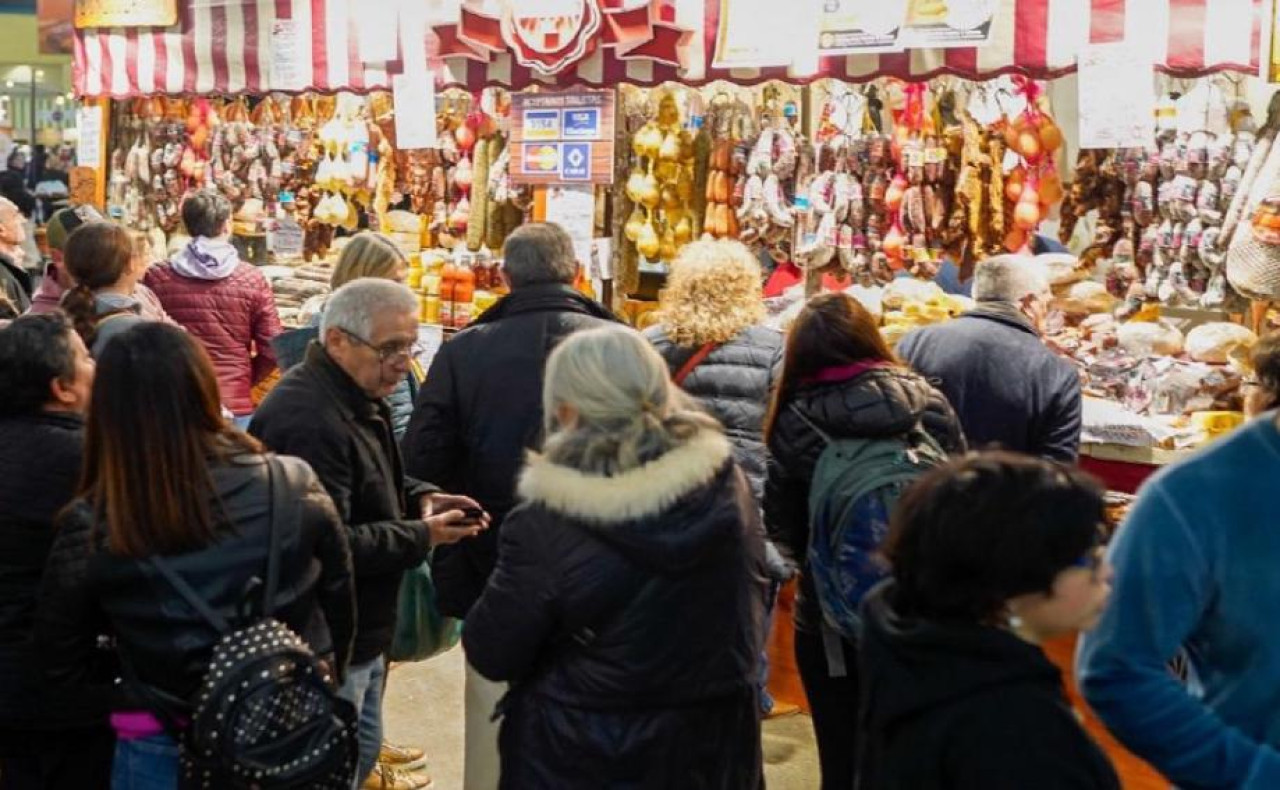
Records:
x=389, y=351
x=1251, y=382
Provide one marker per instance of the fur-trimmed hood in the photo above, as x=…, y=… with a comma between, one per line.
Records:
x=667, y=513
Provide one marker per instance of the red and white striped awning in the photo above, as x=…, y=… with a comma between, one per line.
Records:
x=225, y=48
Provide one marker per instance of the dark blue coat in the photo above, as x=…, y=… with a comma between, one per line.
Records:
x=1005, y=385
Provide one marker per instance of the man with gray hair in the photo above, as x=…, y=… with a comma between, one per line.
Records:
x=1007, y=387
x=331, y=412
x=478, y=413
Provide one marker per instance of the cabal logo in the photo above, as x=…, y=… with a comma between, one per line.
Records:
x=549, y=35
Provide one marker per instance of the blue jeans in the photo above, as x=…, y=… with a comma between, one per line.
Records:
x=363, y=688
x=242, y=422
x=145, y=764
x=762, y=680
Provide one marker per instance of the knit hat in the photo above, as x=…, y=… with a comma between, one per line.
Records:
x=66, y=220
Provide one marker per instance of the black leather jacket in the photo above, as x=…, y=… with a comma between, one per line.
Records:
x=87, y=590
x=883, y=402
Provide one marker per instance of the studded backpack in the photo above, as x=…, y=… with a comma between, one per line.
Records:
x=265, y=716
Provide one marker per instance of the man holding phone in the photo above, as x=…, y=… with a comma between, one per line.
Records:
x=331, y=411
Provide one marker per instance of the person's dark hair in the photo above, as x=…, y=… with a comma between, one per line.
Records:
x=97, y=255
x=539, y=253
x=970, y=535
x=15, y=155
x=1266, y=366
x=155, y=429
x=833, y=329
x=205, y=213
x=35, y=350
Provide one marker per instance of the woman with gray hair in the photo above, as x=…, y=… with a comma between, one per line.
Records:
x=626, y=605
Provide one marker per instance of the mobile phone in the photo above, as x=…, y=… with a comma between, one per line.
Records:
x=472, y=514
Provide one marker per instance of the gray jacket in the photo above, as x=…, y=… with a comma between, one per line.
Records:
x=733, y=383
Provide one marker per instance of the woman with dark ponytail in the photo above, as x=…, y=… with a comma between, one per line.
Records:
x=627, y=602
x=105, y=264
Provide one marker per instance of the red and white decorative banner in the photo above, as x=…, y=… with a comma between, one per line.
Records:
x=227, y=48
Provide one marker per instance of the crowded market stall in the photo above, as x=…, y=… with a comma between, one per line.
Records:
x=884, y=160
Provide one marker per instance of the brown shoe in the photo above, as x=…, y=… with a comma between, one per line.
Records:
x=406, y=758
x=386, y=777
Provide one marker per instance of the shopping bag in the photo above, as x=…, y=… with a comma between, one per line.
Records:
x=421, y=631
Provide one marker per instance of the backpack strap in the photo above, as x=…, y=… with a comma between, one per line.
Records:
x=692, y=362
x=826, y=437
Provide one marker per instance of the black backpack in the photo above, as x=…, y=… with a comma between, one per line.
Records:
x=264, y=716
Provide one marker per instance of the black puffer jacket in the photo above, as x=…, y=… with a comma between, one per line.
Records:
x=88, y=590
x=733, y=383
x=319, y=414
x=877, y=403
x=627, y=613
x=39, y=466
x=965, y=707
x=480, y=410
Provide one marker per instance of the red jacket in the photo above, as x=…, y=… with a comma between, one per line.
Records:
x=233, y=317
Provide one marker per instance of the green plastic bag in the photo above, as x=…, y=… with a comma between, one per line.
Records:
x=421, y=631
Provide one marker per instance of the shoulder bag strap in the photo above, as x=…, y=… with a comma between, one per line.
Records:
x=692, y=362
x=281, y=511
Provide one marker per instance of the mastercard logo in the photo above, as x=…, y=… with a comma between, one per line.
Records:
x=541, y=158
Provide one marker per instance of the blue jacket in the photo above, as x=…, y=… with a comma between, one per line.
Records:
x=1196, y=568
x=1005, y=385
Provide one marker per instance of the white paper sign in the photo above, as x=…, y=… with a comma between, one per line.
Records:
x=287, y=72
x=287, y=239
x=762, y=33
x=1117, y=100
x=414, y=96
x=574, y=209
x=376, y=30
x=89, y=146
x=858, y=26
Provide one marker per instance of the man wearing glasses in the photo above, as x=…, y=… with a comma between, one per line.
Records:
x=331, y=411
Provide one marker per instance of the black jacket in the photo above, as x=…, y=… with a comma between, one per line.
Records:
x=478, y=412
x=88, y=590
x=1007, y=387
x=15, y=283
x=13, y=185
x=627, y=613
x=39, y=467
x=879, y=403
x=733, y=383
x=965, y=707
x=319, y=414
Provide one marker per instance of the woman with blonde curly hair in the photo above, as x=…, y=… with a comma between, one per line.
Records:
x=710, y=332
